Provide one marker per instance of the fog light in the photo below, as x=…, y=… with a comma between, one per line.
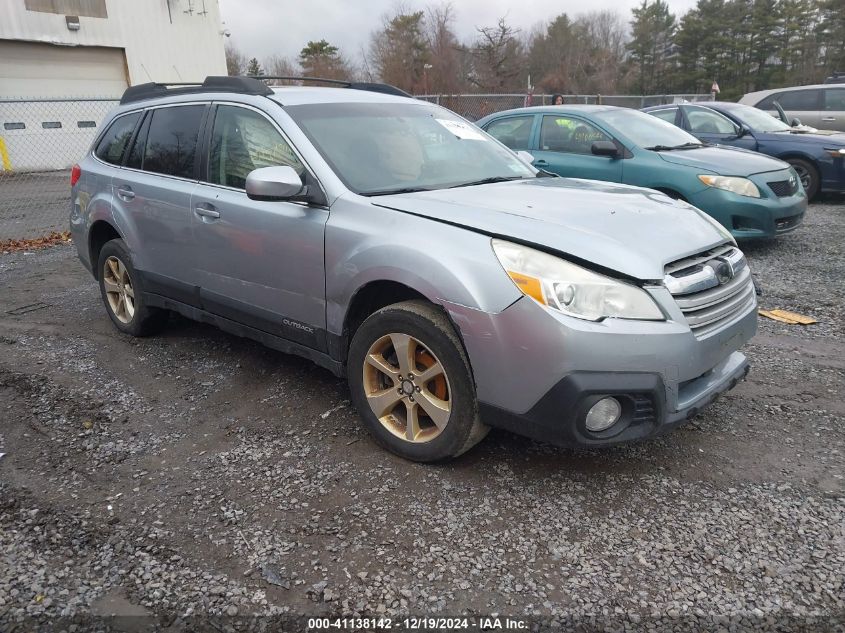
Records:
x=603, y=414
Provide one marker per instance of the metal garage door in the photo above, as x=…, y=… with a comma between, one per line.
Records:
x=34, y=70
x=52, y=101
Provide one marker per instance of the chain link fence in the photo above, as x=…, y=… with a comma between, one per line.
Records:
x=40, y=140
x=477, y=106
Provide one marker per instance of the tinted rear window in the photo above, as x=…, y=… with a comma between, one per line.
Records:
x=171, y=145
x=112, y=146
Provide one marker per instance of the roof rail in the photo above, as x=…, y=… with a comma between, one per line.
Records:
x=354, y=85
x=241, y=85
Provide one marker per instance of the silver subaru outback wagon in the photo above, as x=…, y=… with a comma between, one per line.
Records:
x=390, y=241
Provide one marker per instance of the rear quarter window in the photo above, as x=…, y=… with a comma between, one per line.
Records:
x=113, y=144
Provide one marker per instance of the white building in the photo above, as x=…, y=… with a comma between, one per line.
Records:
x=83, y=49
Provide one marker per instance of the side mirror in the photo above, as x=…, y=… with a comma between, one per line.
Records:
x=605, y=148
x=742, y=131
x=274, y=183
x=525, y=157
x=795, y=122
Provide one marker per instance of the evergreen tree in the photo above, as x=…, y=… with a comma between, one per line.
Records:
x=399, y=51
x=321, y=59
x=254, y=68
x=652, y=32
x=832, y=35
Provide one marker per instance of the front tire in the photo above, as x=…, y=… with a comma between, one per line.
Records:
x=411, y=383
x=808, y=174
x=121, y=293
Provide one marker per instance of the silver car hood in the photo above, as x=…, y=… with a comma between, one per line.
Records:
x=630, y=230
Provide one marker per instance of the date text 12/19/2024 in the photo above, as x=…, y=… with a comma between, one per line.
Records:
x=418, y=623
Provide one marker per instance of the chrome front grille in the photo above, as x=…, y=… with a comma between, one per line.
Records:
x=711, y=288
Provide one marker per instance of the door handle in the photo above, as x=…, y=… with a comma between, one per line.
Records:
x=828, y=118
x=124, y=192
x=207, y=212
x=540, y=162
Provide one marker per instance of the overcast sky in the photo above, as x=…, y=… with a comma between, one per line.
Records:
x=262, y=28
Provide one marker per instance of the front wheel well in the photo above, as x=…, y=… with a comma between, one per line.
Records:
x=372, y=297
x=791, y=155
x=101, y=232
x=675, y=195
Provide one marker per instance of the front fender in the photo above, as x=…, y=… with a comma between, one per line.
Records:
x=446, y=264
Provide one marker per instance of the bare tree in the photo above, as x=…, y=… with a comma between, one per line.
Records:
x=279, y=66
x=236, y=61
x=584, y=55
x=604, y=35
x=449, y=61
x=498, y=59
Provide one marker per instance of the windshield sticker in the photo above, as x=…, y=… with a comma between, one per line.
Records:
x=462, y=130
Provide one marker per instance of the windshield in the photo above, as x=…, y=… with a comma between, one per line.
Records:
x=759, y=120
x=377, y=148
x=644, y=129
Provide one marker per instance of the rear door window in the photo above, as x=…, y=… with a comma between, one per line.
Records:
x=834, y=100
x=795, y=100
x=136, y=154
x=113, y=144
x=514, y=132
x=171, y=146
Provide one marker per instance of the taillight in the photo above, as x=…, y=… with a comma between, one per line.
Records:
x=75, y=173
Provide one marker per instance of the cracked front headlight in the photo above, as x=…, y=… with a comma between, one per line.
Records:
x=561, y=285
x=734, y=184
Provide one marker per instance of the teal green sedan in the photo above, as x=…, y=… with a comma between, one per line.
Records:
x=752, y=195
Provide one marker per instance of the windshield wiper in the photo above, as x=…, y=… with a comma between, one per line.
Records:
x=390, y=192
x=669, y=148
x=488, y=181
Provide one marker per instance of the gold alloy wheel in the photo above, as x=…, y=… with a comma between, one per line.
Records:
x=119, y=291
x=407, y=388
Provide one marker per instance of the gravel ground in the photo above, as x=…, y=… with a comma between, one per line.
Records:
x=196, y=474
x=33, y=204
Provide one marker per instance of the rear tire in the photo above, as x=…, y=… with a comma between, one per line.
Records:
x=808, y=174
x=410, y=381
x=122, y=294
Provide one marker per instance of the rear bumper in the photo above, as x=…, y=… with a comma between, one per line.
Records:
x=559, y=417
